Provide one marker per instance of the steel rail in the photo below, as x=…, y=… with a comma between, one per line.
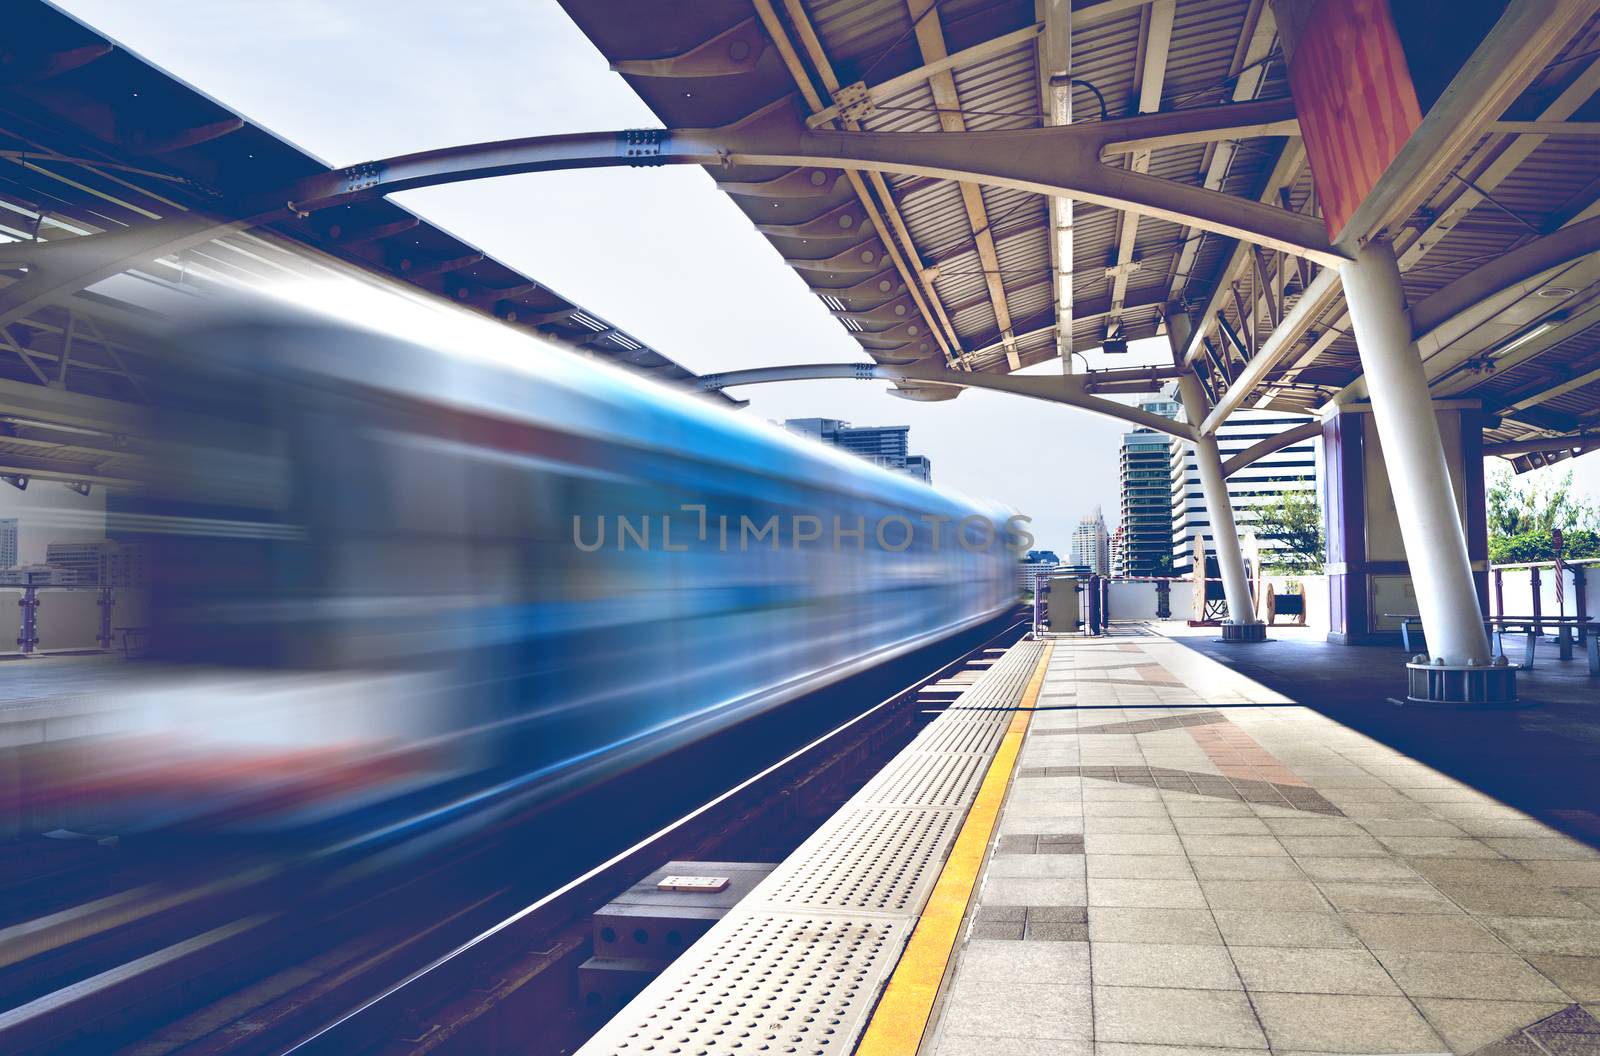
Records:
x=361, y=1026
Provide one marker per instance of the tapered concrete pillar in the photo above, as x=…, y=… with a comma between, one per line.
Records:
x=1436, y=545
x=1213, y=487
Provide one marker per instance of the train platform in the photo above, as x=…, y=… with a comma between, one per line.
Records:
x=1149, y=844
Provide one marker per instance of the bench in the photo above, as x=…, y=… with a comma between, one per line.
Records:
x=1530, y=627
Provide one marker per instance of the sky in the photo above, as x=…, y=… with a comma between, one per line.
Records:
x=659, y=252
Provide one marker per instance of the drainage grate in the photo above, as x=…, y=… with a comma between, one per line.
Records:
x=767, y=983
x=868, y=859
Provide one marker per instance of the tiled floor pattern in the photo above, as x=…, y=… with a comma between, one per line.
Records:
x=1246, y=770
x=1296, y=796
x=1570, y=1031
x=1413, y=915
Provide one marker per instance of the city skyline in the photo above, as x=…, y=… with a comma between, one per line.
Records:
x=883, y=445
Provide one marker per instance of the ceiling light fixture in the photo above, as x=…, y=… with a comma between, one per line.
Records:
x=1542, y=327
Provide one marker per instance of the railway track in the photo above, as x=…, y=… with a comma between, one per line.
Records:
x=455, y=946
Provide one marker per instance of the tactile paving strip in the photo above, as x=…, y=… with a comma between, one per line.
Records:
x=928, y=780
x=798, y=964
x=762, y=983
x=874, y=860
x=961, y=737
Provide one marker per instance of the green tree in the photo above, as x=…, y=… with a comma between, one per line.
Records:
x=1523, y=512
x=1294, y=521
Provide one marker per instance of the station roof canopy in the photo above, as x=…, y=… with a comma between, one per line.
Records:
x=1489, y=198
x=94, y=139
x=988, y=278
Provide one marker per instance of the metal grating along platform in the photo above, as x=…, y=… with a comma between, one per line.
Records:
x=871, y=860
x=928, y=780
x=997, y=692
x=961, y=737
x=798, y=964
x=763, y=983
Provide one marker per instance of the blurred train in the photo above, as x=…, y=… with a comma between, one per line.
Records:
x=432, y=568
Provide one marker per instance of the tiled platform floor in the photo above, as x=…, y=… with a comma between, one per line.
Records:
x=1544, y=759
x=1189, y=861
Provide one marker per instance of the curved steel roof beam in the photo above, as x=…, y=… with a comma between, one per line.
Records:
x=1068, y=389
x=1054, y=160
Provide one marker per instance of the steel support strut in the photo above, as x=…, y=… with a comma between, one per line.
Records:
x=1214, y=489
x=1419, y=476
x=28, y=639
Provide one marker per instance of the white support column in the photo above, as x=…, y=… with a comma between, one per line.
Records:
x=1207, y=456
x=1436, y=545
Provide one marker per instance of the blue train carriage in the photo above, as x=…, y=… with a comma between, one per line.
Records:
x=571, y=569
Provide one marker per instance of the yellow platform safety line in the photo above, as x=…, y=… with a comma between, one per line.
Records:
x=901, y=1018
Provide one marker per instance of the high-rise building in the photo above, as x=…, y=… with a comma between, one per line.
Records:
x=884, y=445
x=8, y=542
x=125, y=565
x=1036, y=564
x=1147, y=496
x=80, y=560
x=1293, y=468
x=1091, y=544
x=101, y=563
x=1119, y=551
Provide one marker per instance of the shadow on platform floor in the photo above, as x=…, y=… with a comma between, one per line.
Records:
x=1543, y=759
